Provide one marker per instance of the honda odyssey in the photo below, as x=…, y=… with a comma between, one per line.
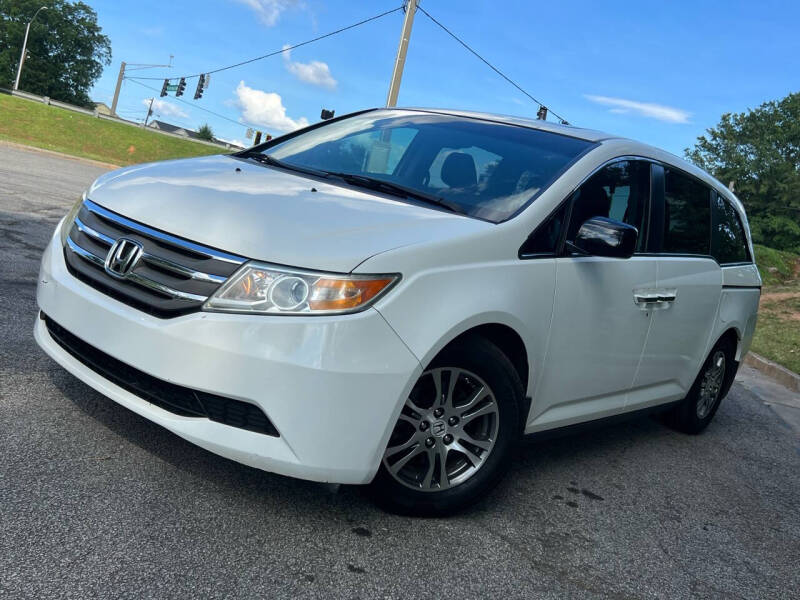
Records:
x=395, y=297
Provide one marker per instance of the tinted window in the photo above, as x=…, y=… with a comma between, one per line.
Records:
x=483, y=169
x=729, y=243
x=484, y=162
x=687, y=215
x=619, y=191
x=546, y=237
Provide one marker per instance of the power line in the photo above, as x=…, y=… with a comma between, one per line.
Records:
x=486, y=62
x=192, y=104
x=282, y=50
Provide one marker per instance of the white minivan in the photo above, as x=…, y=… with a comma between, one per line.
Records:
x=395, y=297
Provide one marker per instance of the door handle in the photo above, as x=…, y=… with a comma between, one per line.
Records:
x=646, y=298
x=651, y=298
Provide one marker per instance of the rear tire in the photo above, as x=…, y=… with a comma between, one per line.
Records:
x=454, y=436
x=696, y=411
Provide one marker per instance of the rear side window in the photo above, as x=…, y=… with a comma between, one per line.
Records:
x=687, y=215
x=728, y=242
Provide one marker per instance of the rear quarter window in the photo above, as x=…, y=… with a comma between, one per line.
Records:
x=728, y=241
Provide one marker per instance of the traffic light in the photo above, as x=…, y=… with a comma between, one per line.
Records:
x=201, y=85
x=181, y=87
x=542, y=113
x=326, y=114
x=164, y=88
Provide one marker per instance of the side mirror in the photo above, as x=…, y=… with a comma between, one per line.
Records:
x=600, y=236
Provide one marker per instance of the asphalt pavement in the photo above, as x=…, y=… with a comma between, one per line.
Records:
x=96, y=501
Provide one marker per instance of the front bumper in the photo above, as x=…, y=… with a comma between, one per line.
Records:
x=332, y=386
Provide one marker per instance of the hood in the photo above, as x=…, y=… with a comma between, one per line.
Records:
x=271, y=215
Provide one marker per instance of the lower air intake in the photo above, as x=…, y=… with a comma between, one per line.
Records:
x=174, y=398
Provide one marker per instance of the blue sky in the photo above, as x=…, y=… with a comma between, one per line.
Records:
x=659, y=72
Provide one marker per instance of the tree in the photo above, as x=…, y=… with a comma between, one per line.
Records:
x=66, y=48
x=759, y=152
x=205, y=133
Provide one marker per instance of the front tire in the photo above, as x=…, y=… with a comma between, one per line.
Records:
x=452, y=441
x=697, y=410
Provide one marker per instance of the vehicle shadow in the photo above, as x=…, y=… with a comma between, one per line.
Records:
x=229, y=477
x=533, y=457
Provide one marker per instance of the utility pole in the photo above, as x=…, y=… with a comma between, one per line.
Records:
x=24, y=47
x=149, y=111
x=119, y=86
x=405, y=35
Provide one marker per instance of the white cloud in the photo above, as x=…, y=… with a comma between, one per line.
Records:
x=269, y=11
x=645, y=109
x=315, y=72
x=166, y=109
x=266, y=109
x=235, y=142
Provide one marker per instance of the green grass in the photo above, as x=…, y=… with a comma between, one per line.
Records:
x=76, y=134
x=776, y=266
x=777, y=334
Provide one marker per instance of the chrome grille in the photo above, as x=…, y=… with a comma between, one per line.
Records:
x=172, y=276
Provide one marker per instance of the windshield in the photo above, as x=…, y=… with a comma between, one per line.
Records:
x=479, y=168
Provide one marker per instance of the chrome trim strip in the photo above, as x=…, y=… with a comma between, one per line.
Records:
x=164, y=263
x=180, y=269
x=159, y=287
x=135, y=277
x=85, y=254
x=93, y=233
x=171, y=239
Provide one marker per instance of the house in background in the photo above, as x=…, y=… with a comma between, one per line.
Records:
x=189, y=133
x=102, y=108
x=177, y=130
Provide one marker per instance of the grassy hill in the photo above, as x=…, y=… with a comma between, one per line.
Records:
x=777, y=334
x=777, y=267
x=52, y=128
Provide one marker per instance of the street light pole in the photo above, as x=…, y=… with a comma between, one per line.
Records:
x=24, y=46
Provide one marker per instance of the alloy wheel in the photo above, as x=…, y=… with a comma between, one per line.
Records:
x=446, y=431
x=711, y=385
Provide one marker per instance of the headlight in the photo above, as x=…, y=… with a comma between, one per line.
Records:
x=268, y=289
x=66, y=224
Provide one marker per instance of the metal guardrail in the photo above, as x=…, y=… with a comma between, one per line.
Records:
x=95, y=113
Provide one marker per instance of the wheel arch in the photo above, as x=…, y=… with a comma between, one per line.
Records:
x=734, y=335
x=503, y=335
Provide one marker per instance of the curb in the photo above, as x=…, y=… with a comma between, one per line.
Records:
x=780, y=374
x=89, y=161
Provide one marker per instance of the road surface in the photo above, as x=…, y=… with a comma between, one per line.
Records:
x=95, y=501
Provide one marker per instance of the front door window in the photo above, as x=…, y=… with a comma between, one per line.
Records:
x=619, y=191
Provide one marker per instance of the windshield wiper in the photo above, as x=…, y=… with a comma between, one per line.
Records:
x=395, y=189
x=266, y=159
x=365, y=181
